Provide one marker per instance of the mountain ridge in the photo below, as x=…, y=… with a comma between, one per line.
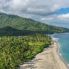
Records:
x=26, y=24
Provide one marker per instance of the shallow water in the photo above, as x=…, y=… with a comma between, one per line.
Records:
x=63, y=40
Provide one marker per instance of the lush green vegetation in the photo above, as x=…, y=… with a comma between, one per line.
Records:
x=16, y=50
x=24, y=43
x=15, y=25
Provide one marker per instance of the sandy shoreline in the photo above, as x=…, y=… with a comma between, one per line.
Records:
x=48, y=59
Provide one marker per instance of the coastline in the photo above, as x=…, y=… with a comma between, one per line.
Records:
x=60, y=55
x=48, y=59
x=62, y=61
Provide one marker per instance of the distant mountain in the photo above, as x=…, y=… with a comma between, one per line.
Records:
x=13, y=23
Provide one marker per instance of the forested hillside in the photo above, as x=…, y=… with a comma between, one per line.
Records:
x=24, y=25
x=23, y=44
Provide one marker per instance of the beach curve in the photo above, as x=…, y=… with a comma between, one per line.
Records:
x=48, y=59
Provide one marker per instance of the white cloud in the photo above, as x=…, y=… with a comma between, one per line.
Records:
x=46, y=18
x=55, y=7
x=18, y=4
x=63, y=16
x=31, y=6
x=41, y=10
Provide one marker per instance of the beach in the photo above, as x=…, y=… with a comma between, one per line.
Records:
x=48, y=59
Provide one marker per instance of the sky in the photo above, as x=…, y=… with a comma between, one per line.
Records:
x=53, y=12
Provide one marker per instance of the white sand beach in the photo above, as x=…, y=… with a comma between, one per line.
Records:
x=48, y=59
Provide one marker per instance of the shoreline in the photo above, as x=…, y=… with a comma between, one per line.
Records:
x=48, y=59
x=60, y=55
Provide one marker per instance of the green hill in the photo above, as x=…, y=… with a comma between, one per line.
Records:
x=25, y=25
x=15, y=50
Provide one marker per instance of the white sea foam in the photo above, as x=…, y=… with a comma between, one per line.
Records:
x=60, y=54
x=68, y=65
x=55, y=39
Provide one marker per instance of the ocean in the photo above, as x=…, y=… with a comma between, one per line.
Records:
x=63, y=40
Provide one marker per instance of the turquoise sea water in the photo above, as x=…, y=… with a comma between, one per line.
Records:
x=63, y=40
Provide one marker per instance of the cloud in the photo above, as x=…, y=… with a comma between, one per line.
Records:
x=64, y=16
x=36, y=7
x=18, y=4
x=41, y=10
